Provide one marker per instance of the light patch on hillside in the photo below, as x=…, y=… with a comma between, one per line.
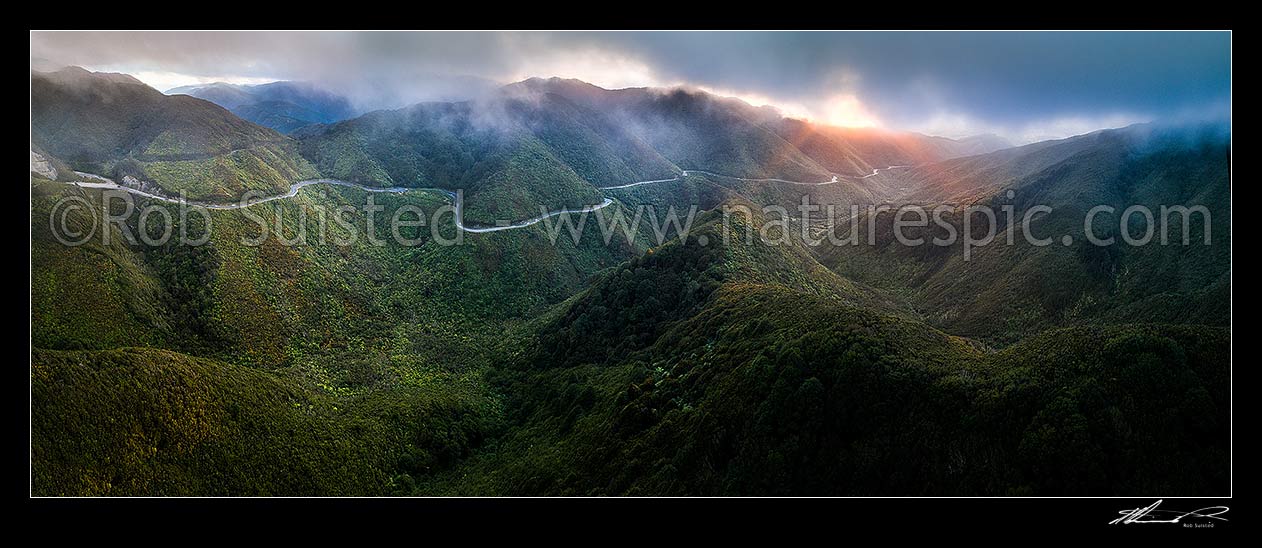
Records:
x=960, y=125
x=42, y=167
x=163, y=80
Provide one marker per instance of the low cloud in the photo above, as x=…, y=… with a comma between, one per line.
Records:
x=1023, y=86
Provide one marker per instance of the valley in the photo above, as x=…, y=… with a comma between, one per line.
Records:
x=658, y=361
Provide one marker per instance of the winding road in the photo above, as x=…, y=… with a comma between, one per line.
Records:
x=684, y=174
x=522, y=223
x=102, y=182
x=876, y=171
x=766, y=180
x=97, y=181
x=638, y=183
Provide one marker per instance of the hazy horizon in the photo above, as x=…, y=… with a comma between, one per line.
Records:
x=1025, y=87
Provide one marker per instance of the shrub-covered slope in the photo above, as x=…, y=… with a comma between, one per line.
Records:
x=687, y=373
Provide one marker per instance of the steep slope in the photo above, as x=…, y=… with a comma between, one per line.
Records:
x=557, y=129
x=113, y=125
x=1003, y=292
x=47, y=166
x=859, y=151
x=97, y=295
x=510, y=155
x=635, y=302
x=698, y=130
x=735, y=370
x=140, y=422
x=334, y=367
x=693, y=129
x=329, y=303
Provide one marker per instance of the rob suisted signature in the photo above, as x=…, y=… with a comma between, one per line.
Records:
x=1150, y=514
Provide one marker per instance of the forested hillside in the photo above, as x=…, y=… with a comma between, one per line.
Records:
x=114, y=125
x=686, y=360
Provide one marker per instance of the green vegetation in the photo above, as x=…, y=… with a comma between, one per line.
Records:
x=282, y=106
x=1014, y=291
x=152, y=422
x=115, y=126
x=355, y=364
x=266, y=169
x=394, y=330
x=510, y=157
x=528, y=176
x=733, y=383
x=90, y=296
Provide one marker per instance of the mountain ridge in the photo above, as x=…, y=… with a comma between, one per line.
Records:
x=119, y=127
x=285, y=106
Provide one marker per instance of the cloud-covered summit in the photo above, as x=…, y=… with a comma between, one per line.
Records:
x=1024, y=86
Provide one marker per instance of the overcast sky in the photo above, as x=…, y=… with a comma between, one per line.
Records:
x=1024, y=86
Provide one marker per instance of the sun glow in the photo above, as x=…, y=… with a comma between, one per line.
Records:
x=847, y=111
x=844, y=110
x=616, y=70
x=838, y=110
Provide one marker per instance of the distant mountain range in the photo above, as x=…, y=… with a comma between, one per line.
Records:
x=535, y=142
x=584, y=136
x=283, y=106
x=698, y=130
